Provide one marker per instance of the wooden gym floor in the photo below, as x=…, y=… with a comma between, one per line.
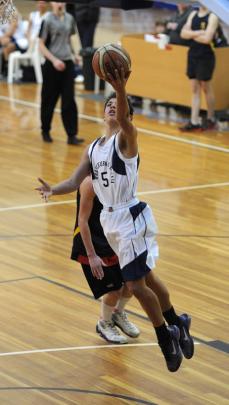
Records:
x=49, y=350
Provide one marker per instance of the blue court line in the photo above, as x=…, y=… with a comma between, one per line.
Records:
x=91, y=392
x=215, y=344
x=17, y=279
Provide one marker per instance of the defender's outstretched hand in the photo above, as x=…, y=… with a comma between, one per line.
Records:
x=44, y=190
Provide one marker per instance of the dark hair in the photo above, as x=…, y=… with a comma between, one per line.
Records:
x=113, y=95
x=160, y=22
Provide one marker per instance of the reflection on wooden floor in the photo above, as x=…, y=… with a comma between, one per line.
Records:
x=45, y=302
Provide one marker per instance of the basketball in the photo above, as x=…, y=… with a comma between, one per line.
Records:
x=109, y=57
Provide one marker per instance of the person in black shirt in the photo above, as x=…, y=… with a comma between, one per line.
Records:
x=200, y=28
x=175, y=25
x=101, y=267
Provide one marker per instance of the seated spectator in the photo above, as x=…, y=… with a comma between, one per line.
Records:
x=160, y=27
x=175, y=25
x=13, y=37
x=35, y=20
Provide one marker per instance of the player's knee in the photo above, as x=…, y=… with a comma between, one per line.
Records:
x=114, y=295
x=126, y=292
x=132, y=287
x=137, y=289
x=204, y=86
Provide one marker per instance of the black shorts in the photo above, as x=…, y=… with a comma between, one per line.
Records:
x=200, y=68
x=111, y=281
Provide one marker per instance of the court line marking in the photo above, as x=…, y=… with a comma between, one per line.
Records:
x=81, y=391
x=64, y=349
x=146, y=131
x=165, y=190
x=218, y=345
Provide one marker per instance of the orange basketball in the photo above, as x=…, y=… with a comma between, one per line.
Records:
x=109, y=57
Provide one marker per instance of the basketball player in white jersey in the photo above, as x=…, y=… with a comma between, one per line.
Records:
x=128, y=224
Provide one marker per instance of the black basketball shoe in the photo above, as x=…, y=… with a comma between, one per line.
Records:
x=186, y=341
x=171, y=349
x=189, y=127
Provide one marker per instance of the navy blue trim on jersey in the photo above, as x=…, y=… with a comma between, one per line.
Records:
x=136, y=269
x=137, y=209
x=90, y=157
x=118, y=164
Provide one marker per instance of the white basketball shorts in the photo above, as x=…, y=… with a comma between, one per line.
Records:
x=131, y=233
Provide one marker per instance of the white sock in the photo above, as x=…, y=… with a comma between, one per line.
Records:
x=106, y=312
x=121, y=304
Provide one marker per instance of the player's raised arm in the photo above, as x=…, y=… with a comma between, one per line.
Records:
x=128, y=132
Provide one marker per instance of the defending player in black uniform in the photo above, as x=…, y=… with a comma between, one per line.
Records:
x=91, y=249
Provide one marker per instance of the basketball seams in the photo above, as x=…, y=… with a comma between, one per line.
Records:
x=102, y=53
x=121, y=52
x=112, y=61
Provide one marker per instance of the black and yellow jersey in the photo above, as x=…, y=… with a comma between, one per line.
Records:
x=99, y=240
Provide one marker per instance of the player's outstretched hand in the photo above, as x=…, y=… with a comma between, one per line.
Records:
x=119, y=79
x=44, y=190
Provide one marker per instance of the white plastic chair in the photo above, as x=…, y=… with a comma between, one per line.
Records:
x=108, y=88
x=32, y=55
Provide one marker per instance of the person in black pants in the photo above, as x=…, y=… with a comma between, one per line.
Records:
x=86, y=16
x=58, y=73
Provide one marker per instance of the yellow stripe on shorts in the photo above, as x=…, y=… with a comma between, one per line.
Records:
x=77, y=230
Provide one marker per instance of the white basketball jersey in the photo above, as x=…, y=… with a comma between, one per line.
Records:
x=114, y=176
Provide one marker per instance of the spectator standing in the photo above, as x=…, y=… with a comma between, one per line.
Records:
x=174, y=26
x=86, y=16
x=56, y=45
x=200, y=28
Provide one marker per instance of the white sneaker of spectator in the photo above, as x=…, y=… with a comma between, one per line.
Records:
x=109, y=332
x=121, y=320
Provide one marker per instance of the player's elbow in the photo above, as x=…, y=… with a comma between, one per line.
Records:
x=206, y=39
